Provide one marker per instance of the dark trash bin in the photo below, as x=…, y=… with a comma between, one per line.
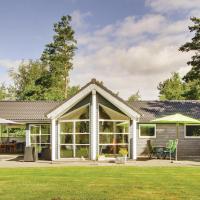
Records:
x=46, y=154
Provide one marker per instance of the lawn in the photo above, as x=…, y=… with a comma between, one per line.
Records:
x=100, y=183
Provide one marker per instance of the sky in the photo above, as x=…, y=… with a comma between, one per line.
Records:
x=130, y=45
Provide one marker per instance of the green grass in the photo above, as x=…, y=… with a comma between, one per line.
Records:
x=100, y=183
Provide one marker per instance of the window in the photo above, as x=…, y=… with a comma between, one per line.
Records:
x=192, y=131
x=74, y=138
x=40, y=136
x=113, y=136
x=147, y=130
x=12, y=133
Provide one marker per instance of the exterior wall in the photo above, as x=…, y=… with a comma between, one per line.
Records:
x=187, y=147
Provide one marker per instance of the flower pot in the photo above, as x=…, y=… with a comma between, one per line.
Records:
x=121, y=160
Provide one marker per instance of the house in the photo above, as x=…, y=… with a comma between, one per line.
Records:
x=96, y=121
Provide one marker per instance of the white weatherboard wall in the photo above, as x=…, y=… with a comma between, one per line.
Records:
x=93, y=126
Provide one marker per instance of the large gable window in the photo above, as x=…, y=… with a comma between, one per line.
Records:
x=147, y=130
x=192, y=131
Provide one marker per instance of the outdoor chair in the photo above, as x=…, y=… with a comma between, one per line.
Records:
x=170, y=150
x=2, y=148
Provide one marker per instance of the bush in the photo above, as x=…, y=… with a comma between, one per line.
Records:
x=123, y=152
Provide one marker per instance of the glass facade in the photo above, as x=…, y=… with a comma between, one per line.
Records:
x=74, y=139
x=40, y=137
x=12, y=138
x=113, y=136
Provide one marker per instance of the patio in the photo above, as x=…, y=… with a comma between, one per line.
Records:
x=16, y=161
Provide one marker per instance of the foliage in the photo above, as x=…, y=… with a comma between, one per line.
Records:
x=58, y=56
x=192, y=78
x=189, y=87
x=192, y=90
x=48, y=78
x=25, y=80
x=194, y=45
x=72, y=90
x=123, y=152
x=82, y=152
x=172, y=88
x=3, y=93
x=134, y=97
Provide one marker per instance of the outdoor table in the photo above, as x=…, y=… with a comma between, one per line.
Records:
x=8, y=147
x=159, y=151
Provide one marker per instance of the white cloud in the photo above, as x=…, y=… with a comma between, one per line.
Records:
x=133, y=54
x=165, y=6
x=78, y=19
x=7, y=63
x=131, y=27
x=5, y=66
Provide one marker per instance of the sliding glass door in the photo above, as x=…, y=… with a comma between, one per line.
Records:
x=40, y=137
x=74, y=139
x=113, y=136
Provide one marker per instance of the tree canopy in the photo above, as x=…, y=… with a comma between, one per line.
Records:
x=172, y=88
x=189, y=86
x=193, y=45
x=134, y=97
x=48, y=77
x=3, y=93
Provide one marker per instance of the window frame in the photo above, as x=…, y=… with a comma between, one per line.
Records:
x=190, y=137
x=39, y=134
x=147, y=137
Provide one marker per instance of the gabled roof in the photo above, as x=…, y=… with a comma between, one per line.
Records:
x=87, y=89
x=34, y=111
x=156, y=109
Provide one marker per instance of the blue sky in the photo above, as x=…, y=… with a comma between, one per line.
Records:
x=130, y=45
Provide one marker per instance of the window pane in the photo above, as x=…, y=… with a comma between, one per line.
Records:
x=35, y=139
x=122, y=138
x=66, y=151
x=82, y=127
x=106, y=139
x=82, y=139
x=111, y=150
x=66, y=139
x=45, y=138
x=147, y=130
x=4, y=131
x=45, y=129
x=35, y=130
x=106, y=127
x=82, y=151
x=193, y=130
x=16, y=132
x=122, y=127
x=66, y=127
x=38, y=148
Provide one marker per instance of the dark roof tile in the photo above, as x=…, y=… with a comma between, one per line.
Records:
x=155, y=109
